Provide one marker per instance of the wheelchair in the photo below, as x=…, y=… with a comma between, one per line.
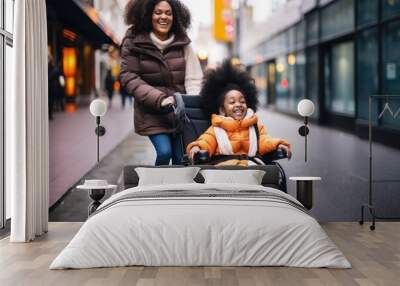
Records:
x=197, y=122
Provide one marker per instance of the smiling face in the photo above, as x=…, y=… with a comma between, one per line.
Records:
x=234, y=105
x=162, y=20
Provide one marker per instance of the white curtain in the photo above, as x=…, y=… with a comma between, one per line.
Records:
x=27, y=122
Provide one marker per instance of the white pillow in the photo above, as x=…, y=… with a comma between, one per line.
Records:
x=248, y=177
x=166, y=176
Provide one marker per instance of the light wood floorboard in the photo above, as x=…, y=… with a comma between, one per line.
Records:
x=375, y=257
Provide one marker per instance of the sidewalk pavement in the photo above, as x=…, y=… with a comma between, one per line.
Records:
x=339, y=158
x=73, y=143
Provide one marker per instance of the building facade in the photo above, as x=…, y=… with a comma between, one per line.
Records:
x=335, y=53
x=112, y=12
x=75, y=32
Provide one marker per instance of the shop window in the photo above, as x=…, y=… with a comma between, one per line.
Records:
x=300, y=91
x=367, y=12
x=283, y=42
x=339, y=79
x=300, y=35
x=312, y=27
x=312, y=77
x=291, y=101
x=291, y=34
x=271, y=83
x=367, y=67
x=271, y=46
x=282, y=83
x=337, y=18
x=258, y=73
x=391, y=68
x=390, y=8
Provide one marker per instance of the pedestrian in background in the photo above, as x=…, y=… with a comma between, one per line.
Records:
x=109, y=84
x=125, y=96
x=60, y=94
x=52, y=84
x=157, y=60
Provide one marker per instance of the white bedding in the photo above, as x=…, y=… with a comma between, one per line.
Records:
x=182, y=231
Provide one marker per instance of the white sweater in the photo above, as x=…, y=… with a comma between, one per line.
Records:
x=193, y=73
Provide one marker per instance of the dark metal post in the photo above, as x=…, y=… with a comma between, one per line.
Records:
x=370, y=150
x=98, y=140
x=305, y=138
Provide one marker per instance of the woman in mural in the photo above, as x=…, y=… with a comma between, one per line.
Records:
x=157, y=60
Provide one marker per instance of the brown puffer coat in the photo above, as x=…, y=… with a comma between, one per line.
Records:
x=151, y=76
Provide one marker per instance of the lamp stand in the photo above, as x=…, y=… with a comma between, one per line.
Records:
x=100, y=131
x=303, y=131
x=98, y=140
x=305, y=138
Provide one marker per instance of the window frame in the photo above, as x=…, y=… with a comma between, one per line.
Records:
x=6, y=39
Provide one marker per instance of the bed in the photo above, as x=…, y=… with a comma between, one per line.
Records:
x=201, y=224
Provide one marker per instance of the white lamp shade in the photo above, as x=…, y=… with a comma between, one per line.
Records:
x=305, y=107
x=98, y=107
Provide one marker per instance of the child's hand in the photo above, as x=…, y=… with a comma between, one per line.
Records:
x=287, y=150
x=193, y=151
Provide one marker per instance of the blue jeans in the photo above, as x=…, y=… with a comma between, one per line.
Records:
x=167, y=146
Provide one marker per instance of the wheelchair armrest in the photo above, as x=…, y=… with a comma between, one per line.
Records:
x=274, y=155
x=203, y=157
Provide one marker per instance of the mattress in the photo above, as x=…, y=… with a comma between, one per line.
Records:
x=201, y=225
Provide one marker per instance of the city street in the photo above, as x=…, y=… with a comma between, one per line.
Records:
x=339, y=158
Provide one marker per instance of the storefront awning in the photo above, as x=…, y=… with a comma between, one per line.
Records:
x=82, y=19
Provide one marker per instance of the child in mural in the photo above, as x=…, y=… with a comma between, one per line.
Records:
x=230, y=97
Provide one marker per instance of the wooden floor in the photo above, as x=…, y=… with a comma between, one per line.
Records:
x=375, y=257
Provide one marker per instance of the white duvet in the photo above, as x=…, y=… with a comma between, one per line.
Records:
x=183, y=231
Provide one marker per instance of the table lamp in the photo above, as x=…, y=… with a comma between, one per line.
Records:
x=305, y=108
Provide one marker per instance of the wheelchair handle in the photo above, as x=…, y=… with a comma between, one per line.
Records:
x=275, y=155
x=201, y=157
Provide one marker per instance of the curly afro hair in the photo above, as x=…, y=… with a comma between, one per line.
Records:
x=218, y=82
x=138, y=14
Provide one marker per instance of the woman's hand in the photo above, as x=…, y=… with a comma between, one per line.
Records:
x=170, y=100
x=193, y=151
x=286, y=149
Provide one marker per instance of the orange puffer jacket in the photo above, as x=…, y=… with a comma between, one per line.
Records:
x=238, y=134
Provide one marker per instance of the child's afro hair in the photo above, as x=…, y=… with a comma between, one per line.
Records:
x=218, y=82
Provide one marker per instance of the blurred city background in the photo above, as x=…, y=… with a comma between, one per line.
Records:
x=333, y=52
